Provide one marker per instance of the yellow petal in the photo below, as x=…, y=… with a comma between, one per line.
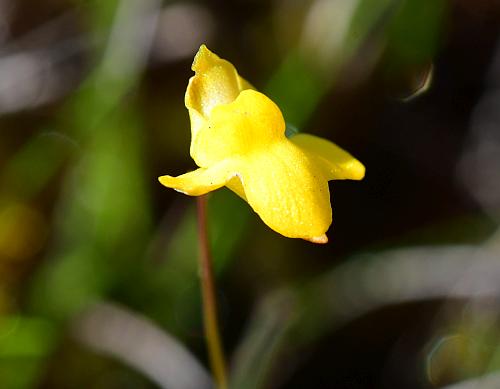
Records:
x=216, y=82
x=249, y=123
x=202, y=180
x=236, y=186
x=336, y=163
x=282, y=186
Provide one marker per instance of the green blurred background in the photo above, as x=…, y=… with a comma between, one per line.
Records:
x=98, y=276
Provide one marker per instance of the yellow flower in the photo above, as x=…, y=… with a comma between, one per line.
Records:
x=238, y=140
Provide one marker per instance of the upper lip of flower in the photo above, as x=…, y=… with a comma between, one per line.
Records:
x=238, y=140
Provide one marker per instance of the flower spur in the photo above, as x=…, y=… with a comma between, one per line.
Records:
x=238, y=140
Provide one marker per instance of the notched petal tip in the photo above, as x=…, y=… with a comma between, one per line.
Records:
x=323, y=239
x=215, y=82
x=203, y=58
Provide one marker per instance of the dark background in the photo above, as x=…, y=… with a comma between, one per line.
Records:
x=405, y=293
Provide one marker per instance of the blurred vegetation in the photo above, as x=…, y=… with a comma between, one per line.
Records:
x=98, y=270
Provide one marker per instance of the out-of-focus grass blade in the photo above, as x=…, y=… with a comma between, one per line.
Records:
x=172, y=286
x=25, y=337
x=24, y=342
x=267, y=331
x=47, y=151
x=103, y=215
x=486, y=381
x=355, y=288
x=413, y=38
x=113, y=330
x=296, y=99
x=313, y=72
x=413, y=32
x=103, y=220
x=75, y=272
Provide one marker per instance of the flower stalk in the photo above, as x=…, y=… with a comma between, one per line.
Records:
x=209, y=299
